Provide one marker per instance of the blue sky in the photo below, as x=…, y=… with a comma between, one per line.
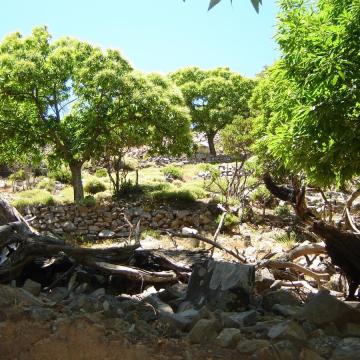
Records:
x=158, y=35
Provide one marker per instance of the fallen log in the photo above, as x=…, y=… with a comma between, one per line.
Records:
x=21, y=246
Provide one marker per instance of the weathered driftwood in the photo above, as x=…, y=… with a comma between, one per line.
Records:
x=24, y=246
x=344, y=249
x=208, y=241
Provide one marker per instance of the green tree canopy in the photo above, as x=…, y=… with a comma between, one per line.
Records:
x=70, y=95
x=215, y=97
x=310, y=107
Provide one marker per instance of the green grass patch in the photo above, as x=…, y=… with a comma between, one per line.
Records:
x=173, y=172
x=94, y=186
x=46, y=184
x=33, y=198
x=173, y=197
x=101, y=172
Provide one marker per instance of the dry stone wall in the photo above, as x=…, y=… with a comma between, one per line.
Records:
x=110, y=220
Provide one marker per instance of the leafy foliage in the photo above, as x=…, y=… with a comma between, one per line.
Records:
x=61, y=174
x=309, y=118
x=256, y=4
x=101, y=172
x=46, y=184
x=236, y=138
x=172, y=171
x=94, y=185
x=215, y=97
x=230, y=221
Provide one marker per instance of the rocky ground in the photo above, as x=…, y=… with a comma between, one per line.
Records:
x=228, y=310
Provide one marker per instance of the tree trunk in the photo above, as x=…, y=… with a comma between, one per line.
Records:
x=210, y=137
x=76, y=181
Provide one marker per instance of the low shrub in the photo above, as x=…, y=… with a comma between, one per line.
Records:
x=103, y=196
x=18, y=175
x=197, y=191
x=282, y=211
x=230, y=222
x=88, y=201
x=127, y=188
x=101, y=172
x=261, y=195
x=288, y=239
x=173, y=172
x=33, y=198
x=94, y=186
x=130, y=164
x=46, y=184
x=173, y=196
x=62, y=174
x=150, y=232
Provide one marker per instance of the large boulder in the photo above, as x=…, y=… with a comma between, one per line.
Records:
x=221, y=285
x=322, y=309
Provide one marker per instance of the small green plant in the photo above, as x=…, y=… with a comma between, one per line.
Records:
x=18, y=175
x=150, y=232
x=101, y=172
x=261, y=195
x=127, y=188
x=230, y=222
x=288, y=239
x=197, y=191
x=173, y=172
x=62, y=174
x=46, y=184
x=282, y=211
x=173, y=196
x=33, y=198
x=103, y=196
x=130, y=164
x=94, y=186
x=89, y=201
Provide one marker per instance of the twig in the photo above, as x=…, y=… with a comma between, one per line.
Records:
x=217, y=232
x=208, y=241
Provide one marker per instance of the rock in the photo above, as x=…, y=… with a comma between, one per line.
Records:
x=352, y=330
x=160, y=306
x=185, y=305
x=228, y=338
x=287, y=330
x=323, y=345
x=189, y=231
x=106, y=234
x=347, y=349
x=283, y=350
x=283, y=297
x=286, y=310
x=42, y=313
x=251, y=346
x=69, y=226
x=173, y=292
x=236, y=320
x=184, y=320
x=98, y=293
x=263, y=279
x=203, y=331
x=221, y=285
x=58, y=294
x=307, y=354
x=32, y=287
x=316, y=310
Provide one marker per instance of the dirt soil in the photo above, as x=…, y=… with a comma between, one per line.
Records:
x=81, y=338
